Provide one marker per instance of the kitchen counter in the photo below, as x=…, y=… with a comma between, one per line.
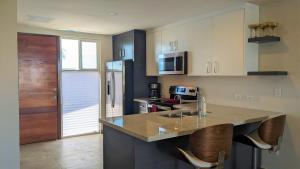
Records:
x=142, y=100
x=152, y=127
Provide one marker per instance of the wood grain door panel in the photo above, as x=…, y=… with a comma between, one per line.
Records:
x=38, y=127
x=38, y=87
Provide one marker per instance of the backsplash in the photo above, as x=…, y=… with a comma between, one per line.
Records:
x=268, y=93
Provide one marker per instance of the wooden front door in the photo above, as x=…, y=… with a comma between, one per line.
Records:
x=38, y=88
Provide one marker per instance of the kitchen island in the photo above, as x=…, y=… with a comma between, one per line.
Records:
x=149, y=141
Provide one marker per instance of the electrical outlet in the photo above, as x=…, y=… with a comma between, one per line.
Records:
x=250, y=98
x=278, y=92
x=237, y=96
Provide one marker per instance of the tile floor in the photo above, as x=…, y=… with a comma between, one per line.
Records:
x=84, y=152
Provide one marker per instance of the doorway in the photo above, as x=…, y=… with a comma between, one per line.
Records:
x=80, y=94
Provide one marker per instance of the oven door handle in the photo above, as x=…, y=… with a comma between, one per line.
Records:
x=175, y=63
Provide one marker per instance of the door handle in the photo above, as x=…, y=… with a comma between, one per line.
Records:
x=123, y=53
x=108, y=88
x=54, y=90
x=54, y=98
x=113, y=89
x=175, y=63
x=120, y=53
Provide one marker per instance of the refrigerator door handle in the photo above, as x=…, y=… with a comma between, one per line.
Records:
x=108, y=88
x=113, y=90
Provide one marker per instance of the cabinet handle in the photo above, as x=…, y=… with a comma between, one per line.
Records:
x=123, y=53
x=209, y=67
x=171, y=45
x=120, y=53
x=216, y=67
x=207, y=70
x=176, y=45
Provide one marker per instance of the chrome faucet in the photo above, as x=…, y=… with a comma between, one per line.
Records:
x=201, y=105
x=178, y=97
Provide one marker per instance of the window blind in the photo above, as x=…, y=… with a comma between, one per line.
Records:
x=80, y=102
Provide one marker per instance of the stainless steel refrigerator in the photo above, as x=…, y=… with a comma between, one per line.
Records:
x=125, y=80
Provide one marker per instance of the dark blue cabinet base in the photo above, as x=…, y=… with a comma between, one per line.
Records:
x=122, y=151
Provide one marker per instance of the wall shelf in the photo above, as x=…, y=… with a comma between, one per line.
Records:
x=264, y=39
x=268, y=73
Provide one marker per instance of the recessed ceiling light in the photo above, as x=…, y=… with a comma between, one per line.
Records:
x=41, y=19
x=112, y=13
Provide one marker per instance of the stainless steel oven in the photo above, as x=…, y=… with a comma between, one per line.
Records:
x=173, y=63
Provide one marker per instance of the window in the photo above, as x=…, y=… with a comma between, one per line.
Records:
x=89, y=55
x=70, y=54
x=79, y=55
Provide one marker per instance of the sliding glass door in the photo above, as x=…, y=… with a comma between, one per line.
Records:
x=80, y=88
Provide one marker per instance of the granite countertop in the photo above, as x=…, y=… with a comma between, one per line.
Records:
x=142, y=100
x=153, y=127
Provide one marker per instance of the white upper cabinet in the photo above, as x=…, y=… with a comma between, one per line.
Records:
x=174, y=39
x=228, y=44
x=217, y=45
x=199, y=49
x=154, y=50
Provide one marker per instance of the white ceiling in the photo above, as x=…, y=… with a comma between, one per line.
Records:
x=113, y=16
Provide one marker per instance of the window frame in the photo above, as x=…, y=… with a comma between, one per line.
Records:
x=80, y=40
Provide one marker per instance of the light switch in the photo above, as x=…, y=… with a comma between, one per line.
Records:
x=278, y=92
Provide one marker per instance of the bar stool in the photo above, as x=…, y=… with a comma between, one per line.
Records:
x=267, y=136
x=209, y=147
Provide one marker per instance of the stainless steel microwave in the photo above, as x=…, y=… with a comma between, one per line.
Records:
x=173, y=63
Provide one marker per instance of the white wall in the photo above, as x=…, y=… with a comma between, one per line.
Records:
x=104, y=49
x=284, y=55
x=9, y=108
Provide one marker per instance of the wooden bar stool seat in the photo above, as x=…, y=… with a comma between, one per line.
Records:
x=209, y=147
x=267, y=136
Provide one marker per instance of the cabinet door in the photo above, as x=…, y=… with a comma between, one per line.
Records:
x=154, y=50
x=199, y=37
x=174, y=39
x=117, y=47
x=168, y=39
x=228, y=44
x=127, y=45
x=181, y=42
